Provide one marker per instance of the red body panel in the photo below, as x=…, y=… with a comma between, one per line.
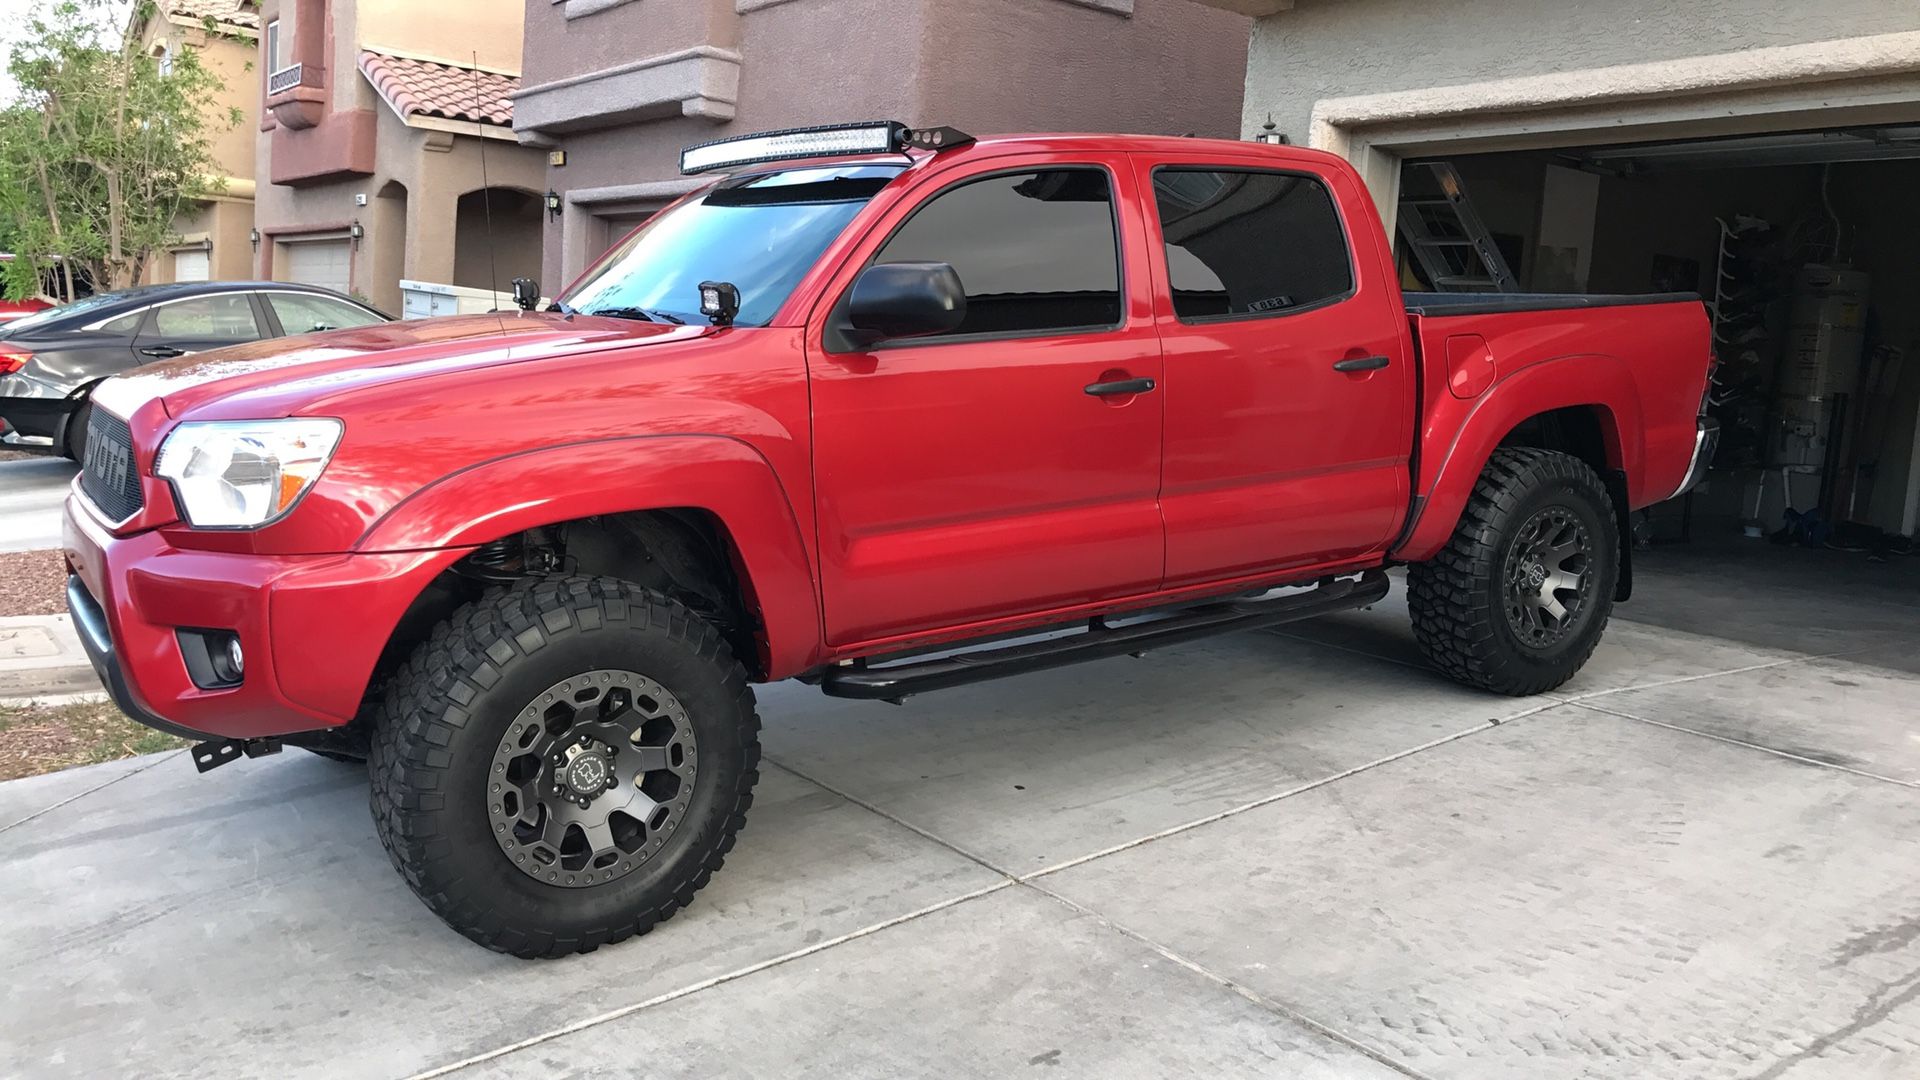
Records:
x=1274, y=460
x=875, y=500
x=1644, y=367
x=962, y=481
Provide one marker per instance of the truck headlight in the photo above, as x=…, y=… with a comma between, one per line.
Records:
x=246, y=473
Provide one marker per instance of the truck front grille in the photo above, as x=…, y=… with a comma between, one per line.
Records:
x=107, y=475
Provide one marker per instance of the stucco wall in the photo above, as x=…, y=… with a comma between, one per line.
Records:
x=433, y=181
x=455, y=32
x=1336, y=48
x=986, y=66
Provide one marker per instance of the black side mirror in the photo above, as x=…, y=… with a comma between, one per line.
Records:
x=903, y=300
x=526, y=293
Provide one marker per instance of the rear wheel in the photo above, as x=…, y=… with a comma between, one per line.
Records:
x=76, y=440
x=563, y=764
x=1517, y=600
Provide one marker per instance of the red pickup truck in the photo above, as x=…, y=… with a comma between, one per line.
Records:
x=883, y=410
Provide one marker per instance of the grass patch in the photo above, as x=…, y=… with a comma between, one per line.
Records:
x=37, y=739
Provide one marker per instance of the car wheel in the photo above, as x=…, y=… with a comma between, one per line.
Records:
x=76, y=435
x=1517, y=600
x=564, y=763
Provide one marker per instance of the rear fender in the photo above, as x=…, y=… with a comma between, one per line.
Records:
x=1459, y=437
x=721, y=475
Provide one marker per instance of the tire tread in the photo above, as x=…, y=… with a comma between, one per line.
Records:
x=424, y=708
x=1453, y=607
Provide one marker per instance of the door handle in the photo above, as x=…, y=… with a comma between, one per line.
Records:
x=162, y=352
x=1364, y=363
x=1120, y=386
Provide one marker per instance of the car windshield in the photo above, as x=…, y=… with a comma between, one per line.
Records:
x=759, y=232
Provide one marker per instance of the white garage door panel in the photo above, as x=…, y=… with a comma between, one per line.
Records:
x=189, y=266
x=317, y=262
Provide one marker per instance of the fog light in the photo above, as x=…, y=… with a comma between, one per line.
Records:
x=214, y=658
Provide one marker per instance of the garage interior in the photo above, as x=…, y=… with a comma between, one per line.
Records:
x=1806, y=246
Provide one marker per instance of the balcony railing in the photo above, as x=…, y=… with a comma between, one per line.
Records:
x=285, y=79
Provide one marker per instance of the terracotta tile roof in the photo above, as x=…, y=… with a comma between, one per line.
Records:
x=448, y=91
x=230, y=12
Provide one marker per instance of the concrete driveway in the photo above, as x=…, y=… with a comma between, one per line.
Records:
x=31, y=492
x=1277, y=855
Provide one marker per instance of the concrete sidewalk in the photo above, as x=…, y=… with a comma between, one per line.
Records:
x=41, y=660
x=1267, y=855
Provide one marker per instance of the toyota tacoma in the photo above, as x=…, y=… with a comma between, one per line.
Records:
x=881, y=409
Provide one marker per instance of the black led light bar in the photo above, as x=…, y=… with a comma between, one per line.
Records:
x=833, y=140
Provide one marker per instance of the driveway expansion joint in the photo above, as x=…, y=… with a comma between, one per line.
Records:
x=1730, y=741
x=158, y=760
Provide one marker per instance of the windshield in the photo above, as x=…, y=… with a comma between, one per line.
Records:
x=760, y=232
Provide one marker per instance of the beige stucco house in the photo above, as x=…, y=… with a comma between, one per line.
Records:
x=385, y=148
x=617, y=87
x=1605, y=143
x=213, y=237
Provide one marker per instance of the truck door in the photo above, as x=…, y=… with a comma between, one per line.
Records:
x=1289, y=390
x=1012, y=465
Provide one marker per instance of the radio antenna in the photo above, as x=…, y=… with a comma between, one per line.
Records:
x=486, y=187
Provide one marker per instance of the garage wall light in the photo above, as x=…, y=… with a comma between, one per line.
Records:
x=553, y=204
x=253, y=237
x=1271, y=134
x=354, y=230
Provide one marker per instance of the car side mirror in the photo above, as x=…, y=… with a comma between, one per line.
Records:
x=904, y=300
x=526, y=293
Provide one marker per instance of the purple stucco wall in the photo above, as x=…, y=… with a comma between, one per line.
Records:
x=986, y=66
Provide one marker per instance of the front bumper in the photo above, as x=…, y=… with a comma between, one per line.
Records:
x=1706, y=440
x=312, y=626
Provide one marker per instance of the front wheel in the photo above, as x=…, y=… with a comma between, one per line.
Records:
x=563, y=764
x=1517, y=600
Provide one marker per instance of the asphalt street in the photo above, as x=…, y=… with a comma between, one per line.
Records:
x=31, y=492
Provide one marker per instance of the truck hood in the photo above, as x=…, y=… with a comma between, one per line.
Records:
x=283, y=375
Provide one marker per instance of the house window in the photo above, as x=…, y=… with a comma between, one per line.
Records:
x=274, y=62
x=163, y=59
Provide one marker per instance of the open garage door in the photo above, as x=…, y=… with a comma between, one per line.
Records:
x=326, y=263
x=1806, y=247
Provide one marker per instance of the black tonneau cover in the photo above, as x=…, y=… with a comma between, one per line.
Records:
x=1426, y=303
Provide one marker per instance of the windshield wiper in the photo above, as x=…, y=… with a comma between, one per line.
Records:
x=638, y=313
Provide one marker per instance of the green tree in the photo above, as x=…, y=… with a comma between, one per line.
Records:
x=101, y=150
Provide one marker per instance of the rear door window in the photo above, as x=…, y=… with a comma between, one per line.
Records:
x=1246, y=244
x=218, y=318
x=1035, y=251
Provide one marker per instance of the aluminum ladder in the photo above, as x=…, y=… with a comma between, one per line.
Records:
x=1446, y=235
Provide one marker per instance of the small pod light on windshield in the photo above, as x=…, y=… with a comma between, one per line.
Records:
x=719, y=302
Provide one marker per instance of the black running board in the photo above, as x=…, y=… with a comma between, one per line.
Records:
x=891, y=682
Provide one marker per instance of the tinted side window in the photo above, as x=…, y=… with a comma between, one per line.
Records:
x=302, y=314
x=1249, y=243
x=1035, y=250
x=225, y=317
x=125, y=325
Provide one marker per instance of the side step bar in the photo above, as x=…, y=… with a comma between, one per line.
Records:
x=893, y=682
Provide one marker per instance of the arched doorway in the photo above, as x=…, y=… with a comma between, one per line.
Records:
x=388, y=236
x=489, y=254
